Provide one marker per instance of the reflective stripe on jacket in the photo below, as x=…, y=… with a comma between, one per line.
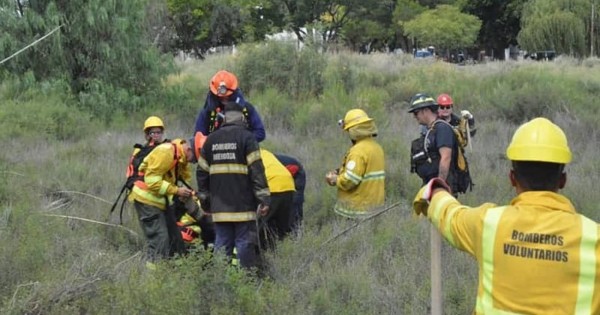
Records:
x=535, y=256
x=160, y=169
x=230, y=171
x=278, y=177
x=361, y=179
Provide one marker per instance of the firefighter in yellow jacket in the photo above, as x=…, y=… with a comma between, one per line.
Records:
x=278, y=222
x=536, y=255
x=361, y=178
x=162, y=168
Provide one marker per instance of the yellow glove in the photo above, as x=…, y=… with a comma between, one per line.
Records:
x=421, y=202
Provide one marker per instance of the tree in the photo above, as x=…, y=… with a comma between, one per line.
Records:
x=159, y=27
x=405, y=11
x=329, y=16
x=298, y=13
x=501, y=22
x=203, y=24
x=451, y=30
x=371, y=27
x=191, y=19
x=558, y=25
x=101, y=49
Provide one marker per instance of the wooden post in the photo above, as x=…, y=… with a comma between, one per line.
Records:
x=436, y=271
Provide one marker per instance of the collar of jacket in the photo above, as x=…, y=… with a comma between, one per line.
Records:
x=546, y=199
x=240, y=123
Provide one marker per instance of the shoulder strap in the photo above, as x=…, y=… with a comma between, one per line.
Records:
x=175, y=155
x=175, y=160
x=454, y=131
x=429, y=130
x=441, y=121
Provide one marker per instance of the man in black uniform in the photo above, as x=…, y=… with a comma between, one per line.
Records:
x=232, y=184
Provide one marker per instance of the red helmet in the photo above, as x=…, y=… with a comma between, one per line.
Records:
x=223, y=83
x=445, y=100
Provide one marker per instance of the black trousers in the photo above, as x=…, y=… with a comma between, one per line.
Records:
x=278, y=222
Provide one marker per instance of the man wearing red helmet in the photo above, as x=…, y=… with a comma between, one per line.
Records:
x=446, y=105
x=223, y=88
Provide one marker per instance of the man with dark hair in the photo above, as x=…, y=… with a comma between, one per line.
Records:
x=536, y=255
x=433, y=153
x=232, y=185
x=465, y=123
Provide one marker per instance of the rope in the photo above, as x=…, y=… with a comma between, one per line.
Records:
x=359, y=222
x=469, y=137
x=83, y=194
x=92, y=221
x=35, y=42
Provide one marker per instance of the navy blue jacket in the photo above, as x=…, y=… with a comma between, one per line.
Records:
x=211, y=116
x=299, y=178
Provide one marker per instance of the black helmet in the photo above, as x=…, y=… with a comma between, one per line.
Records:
x=421, y=100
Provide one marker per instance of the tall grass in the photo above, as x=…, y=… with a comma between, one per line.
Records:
x=60, y=166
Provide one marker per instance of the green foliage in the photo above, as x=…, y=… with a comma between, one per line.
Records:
x=370, y=25
x=452, y=29
x=555, y=26
x=341, y=73
x=501, y=22
x=100, y=50
x=203, y=24
x=279, y=65
x=41, y=111
x=58, y=265
x=360, y=32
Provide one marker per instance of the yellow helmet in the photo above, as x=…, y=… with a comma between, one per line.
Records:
x=153, y=121
x=539, y=140
x=354, y=117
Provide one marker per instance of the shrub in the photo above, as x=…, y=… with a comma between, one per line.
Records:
x=43, y=111
x=280, y=66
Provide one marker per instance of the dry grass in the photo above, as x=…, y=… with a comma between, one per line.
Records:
x=64, y=265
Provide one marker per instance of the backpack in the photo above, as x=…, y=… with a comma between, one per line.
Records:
x=215, y=111
x=133, y=174
x=460, y=175
x=462, y=180
x=135, y=161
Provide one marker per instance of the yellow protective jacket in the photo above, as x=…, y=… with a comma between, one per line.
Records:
x=279, y=178
x=160, y=168
x=361, y=179
x=535, y=256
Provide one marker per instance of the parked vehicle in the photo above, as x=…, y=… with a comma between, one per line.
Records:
x=423, y=54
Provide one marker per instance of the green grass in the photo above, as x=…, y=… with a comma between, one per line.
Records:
x=59, y=160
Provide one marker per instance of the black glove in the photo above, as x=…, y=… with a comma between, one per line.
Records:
x=194, y=209
x=204, y=201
